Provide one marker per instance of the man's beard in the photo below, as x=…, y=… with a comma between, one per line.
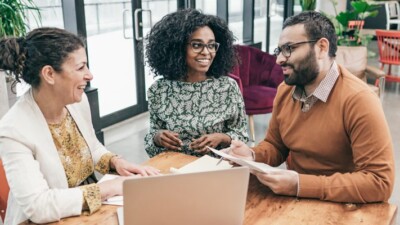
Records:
x=305, y=72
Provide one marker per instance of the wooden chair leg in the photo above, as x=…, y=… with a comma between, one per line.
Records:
x=251, y=124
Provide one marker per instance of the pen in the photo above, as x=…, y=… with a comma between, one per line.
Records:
x=220, y=160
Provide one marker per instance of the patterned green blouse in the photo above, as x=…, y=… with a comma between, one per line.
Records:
x=193, y=109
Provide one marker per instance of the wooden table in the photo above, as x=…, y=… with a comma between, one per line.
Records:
x=264, y=207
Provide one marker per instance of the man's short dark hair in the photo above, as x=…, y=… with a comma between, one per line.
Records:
x=317, y=26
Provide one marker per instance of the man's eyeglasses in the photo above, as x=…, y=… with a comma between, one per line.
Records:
x=198, y=47
x=287, y=49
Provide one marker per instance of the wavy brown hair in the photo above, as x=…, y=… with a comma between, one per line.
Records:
x=24, y=57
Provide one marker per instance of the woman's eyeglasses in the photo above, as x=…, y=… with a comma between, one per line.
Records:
x=287, y=49
x=198, y=47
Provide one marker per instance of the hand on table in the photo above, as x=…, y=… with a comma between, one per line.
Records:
x=283, y=182
x=113, y=187
x=168, y=139
x=125, y=168
x=200, y=144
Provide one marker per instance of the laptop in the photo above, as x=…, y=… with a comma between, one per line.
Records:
x=211, y=197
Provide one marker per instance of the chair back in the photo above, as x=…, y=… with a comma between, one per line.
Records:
x=4, y=190
x=238, y=81
x=354, y=59
x=356, y=24
x=388, y=46
x=257, y=67
x=392, y=13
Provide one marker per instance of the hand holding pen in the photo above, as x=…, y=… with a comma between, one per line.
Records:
x=222, y=158
x=226, y=150
x=168, y=139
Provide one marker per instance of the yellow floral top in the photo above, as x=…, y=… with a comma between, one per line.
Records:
x=77, y=161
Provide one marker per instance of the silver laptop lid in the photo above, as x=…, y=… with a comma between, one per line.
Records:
x=212, y=197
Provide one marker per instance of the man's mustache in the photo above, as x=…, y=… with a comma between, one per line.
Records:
x=287, y=65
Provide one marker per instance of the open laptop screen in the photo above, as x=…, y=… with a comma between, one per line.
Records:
x=212, y=197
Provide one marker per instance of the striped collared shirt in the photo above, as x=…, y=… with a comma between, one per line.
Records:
x=320, y=93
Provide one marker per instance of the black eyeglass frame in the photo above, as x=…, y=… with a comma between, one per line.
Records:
x=280, y=50
x=203, y=45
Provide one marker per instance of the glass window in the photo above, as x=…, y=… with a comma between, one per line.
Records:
x=51, y=16
x=235, y=18
x=297, y=7
x=276, y=17
x=207, y=6
x=111, y=55
x=159, y=8
x=260, y=22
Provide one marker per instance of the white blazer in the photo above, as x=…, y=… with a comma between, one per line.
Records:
x=38, y=184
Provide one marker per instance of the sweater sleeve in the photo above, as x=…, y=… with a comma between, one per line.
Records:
x=272, y=150
x=373, y=176
x=156, y=123
x=236, y=126
x=91, y=197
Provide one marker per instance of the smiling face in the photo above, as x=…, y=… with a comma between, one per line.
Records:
x=199, y=63
x=72, y=80
x=301, y=68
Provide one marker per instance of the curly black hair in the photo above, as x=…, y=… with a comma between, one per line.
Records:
x=167, y=41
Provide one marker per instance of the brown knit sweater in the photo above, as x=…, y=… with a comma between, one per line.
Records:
x=342, y=149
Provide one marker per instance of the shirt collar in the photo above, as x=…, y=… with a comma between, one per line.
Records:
x=324, y=88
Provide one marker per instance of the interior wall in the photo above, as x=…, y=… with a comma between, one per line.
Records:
x=327, y=7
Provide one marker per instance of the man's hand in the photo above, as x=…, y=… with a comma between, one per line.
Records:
x=239, y=149
x=168, y=139
x=211, y=140
x=283, y=182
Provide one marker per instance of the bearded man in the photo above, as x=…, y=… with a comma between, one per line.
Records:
x=326, y=124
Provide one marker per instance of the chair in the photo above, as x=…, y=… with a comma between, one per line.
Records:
x=356, y=26
x=392, y=14
x=4, y=189
x=260, y=76
x=389, y=51
x=238, y=81
x=354, y=59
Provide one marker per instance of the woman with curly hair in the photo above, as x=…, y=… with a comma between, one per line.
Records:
x=195, y=104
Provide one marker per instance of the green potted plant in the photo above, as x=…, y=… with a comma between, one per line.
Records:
x=13, y=16
x=361, y=9
x=307, y=5
x=13, y=22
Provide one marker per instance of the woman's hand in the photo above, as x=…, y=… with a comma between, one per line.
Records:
x=239, y=149
x=125, y=168
x=168, y=139
x=212, y=140
x=112, y=187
